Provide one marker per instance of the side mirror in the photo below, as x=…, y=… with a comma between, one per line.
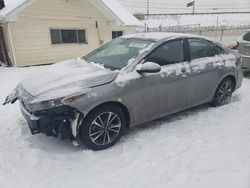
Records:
x=148, y=67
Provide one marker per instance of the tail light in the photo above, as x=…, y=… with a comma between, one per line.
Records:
x=234, y=46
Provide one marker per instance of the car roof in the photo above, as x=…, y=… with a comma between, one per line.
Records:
x=164, y=35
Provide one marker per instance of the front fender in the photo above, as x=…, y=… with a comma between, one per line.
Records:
x=100, y=95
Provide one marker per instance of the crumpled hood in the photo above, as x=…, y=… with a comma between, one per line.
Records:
x=66, y=78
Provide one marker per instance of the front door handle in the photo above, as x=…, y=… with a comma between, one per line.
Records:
x=183, y=70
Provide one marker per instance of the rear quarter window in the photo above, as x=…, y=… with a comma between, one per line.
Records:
x=218, y=50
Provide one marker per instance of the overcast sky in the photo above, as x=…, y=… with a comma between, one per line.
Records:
x=174, y=6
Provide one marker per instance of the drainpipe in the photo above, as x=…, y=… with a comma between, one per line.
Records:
x=11, y=46
x=3, y=47
x=98, y=32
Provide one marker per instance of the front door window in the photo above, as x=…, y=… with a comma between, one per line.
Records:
x=169, y=53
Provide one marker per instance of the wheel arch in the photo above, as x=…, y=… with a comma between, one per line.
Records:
x=116, y=104
x=232, y=78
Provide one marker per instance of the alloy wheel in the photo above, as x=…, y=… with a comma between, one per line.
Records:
x=105, y=128
x=225, y=93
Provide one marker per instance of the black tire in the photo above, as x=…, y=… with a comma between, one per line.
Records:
x=96, y=125
x=223, y=93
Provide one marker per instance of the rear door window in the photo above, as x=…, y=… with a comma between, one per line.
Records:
x=200, y=48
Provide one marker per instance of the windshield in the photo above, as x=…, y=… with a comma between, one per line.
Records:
x=116, y=53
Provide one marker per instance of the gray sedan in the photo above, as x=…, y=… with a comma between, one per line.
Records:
x=126, y=82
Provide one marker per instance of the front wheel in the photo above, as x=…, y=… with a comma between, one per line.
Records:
x=223, y=93
x=103, y=127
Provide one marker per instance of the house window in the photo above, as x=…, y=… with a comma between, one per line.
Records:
x=67, y=36
x=116, y=34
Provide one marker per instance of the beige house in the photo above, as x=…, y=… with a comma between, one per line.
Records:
x=35, y=32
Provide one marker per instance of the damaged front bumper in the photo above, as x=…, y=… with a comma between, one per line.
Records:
x=11, y=98
x=51, y=117
x=58, y=122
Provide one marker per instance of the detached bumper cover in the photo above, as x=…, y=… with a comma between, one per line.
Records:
x=53, y=122
x=33, y=121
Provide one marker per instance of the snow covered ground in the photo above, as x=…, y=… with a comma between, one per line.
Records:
x=201, y=148
x=179, y=6
x=206, y=20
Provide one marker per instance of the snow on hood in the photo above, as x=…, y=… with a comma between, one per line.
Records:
x=66, y=78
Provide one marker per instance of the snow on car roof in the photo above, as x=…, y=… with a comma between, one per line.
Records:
x=161, y=35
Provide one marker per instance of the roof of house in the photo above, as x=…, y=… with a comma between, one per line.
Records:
x=10, y=5
x=110, y=8
x=122, y=13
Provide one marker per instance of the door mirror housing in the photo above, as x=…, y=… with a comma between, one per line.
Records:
x=148, y=67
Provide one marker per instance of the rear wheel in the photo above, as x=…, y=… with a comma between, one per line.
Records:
x=103, y=127
x=223, y=93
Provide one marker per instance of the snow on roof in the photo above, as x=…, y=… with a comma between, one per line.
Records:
x=122, y=13
x=113, y=7
x=10, y=5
